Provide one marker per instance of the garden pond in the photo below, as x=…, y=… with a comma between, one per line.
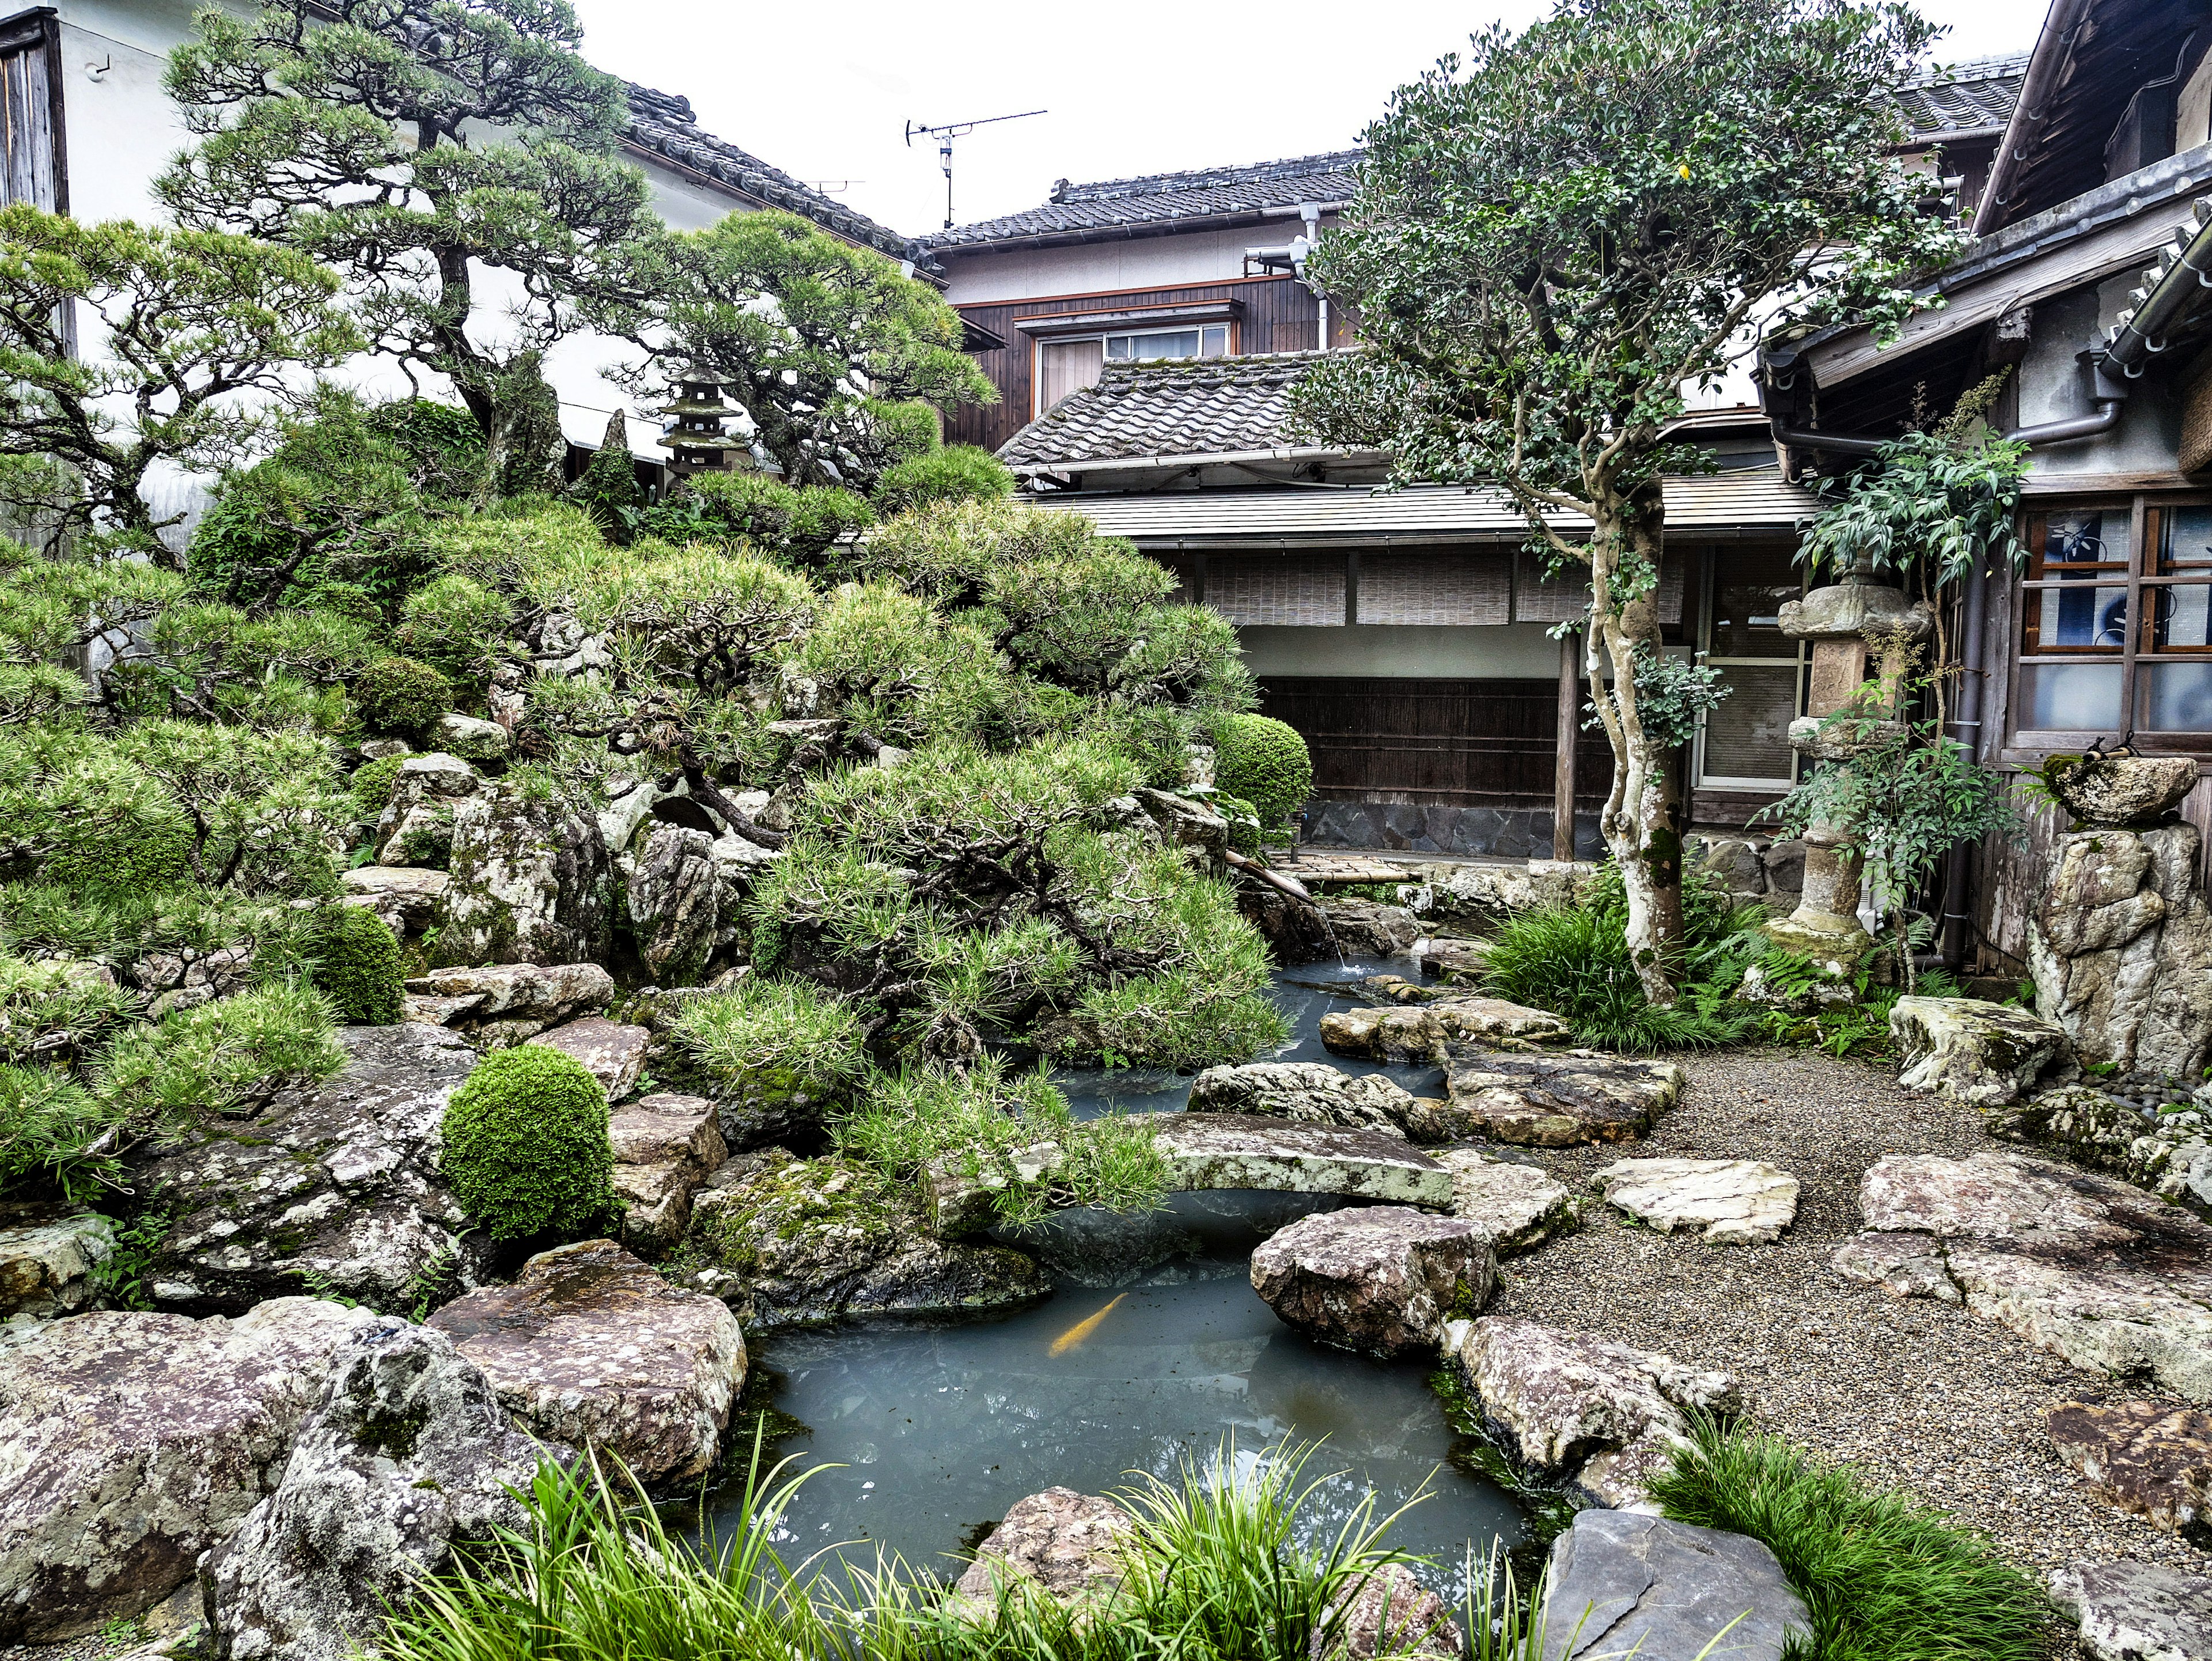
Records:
x=1154, y=1350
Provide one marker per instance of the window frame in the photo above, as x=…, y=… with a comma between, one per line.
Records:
x=1229, y=326
x=1800, y=661
x=2145, y=530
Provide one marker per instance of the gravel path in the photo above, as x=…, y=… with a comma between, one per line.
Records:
x=1910, y=1391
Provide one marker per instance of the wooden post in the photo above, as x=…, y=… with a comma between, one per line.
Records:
x=1563, y=767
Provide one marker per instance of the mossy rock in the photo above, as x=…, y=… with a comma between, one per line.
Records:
x=525, y=1147
x=357, y=965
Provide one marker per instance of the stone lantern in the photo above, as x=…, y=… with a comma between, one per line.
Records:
x=1838, y=620
x=695, y=438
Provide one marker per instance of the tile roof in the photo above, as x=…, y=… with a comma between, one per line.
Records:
x=663, y=123
x=1959, y=98
x=1124, y=206
x=1964, y=97
x=1176, y=407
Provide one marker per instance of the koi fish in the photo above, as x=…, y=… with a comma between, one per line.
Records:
x=1082, y=1330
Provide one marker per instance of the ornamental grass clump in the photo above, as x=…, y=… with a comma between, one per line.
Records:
x=1886, y=1578
x=524, y=1145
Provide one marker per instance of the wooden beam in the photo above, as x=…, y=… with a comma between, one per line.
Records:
x=1563, y=768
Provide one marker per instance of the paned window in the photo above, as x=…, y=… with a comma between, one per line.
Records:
x=2116, y=623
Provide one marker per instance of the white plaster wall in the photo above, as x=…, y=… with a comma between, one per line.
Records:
x=122, y=128
x=1148, y=262
x=1510, y=651
x=2054, y=387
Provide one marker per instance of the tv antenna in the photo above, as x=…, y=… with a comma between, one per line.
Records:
x=945, y=134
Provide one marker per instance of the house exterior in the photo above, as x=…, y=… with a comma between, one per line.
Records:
x=86, y=127
x=1144, y=335
x=2084, y=283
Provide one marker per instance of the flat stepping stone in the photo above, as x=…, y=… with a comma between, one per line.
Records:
x=592, y=1347
x=1242, y=1151
x=1518, y=1206
x=2145, y=1458
x=2132, y=1611
x=1731, y=1202
x=1422, y=1032
x=1973, y=1052
x=1601, y=1414
x=1306, y=1092
x=2090, y=1269
x=1381, y=1280
x=1549, y=1100
x=1621, y=1583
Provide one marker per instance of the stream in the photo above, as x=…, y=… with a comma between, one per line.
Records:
x=1154, y=1350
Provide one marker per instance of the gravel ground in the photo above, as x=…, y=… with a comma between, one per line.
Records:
x=1908, y=1390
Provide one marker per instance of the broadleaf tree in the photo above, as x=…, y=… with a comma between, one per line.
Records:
x=1558, y=234
x=839, y=358
x=421, y=146
x=187, y=336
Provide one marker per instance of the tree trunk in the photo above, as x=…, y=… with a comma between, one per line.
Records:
x=1642, y=819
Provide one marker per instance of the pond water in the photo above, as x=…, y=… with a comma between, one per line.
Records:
x=1153, y=1350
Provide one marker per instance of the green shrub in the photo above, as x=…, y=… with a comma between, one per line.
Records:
x=208, y=1060
x=356, y=964
x=1573, y=960
x=525, y=1145
x=47, y=1125
x=958, y=473
x=372, y=784
x=151, y=854
x=1885, y=1578
x=399, y=695
x=608, y=489
x=1265, y=763
x=774, y=1042
x=457, y=626
x=444, y=445
x=40, y=1000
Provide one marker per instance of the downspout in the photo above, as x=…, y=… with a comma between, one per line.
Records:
x=1310, y=212
x=1965, y=725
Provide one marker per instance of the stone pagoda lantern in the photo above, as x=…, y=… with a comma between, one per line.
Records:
x=1838, y=620
x=695, y=438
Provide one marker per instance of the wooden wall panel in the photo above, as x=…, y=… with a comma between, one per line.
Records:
x=1463, y=743
x=1280, y=315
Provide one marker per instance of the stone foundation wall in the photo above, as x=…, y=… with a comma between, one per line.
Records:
x=1517, y=833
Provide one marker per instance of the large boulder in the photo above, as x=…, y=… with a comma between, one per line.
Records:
x=1294, y=926
x=1388, y=1613
x=473, y=739
x=1492, y=893
x=2121, y=790
x=1364, y=928
x=404, y=897
x=2086, y=1267
x=1517, y=1205
x=1973, y=1052
x=665, y=1148
x=789, y=1242
x=1550, y=1101
x=1187, y=825
x=1068, y=1545
x=333, y=1187
x=675, y=904
x=1308, y=1092
x=531, y=883
x=1729, y=1201
x=2132, y=1611
x=2144, y=1457
x=50, y=1259
x=610, y=1051
x=1621, y=1584
x=1382, y=1280
x=591, y=1347
x=1604, y=1415
x=503, y=1004
x=2119, y=944
x=129, y=1443
x=416, y=827
x=407, y=1455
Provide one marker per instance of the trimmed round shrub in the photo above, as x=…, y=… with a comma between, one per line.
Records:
x=399, y=695
x=356, y=964
x=1265, y=763
x=525, y=1145
x=372, y=784
x=958, y=473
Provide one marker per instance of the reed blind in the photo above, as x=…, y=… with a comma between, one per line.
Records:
x=1454, y=586
x=1275, y=590
x=1564, y=597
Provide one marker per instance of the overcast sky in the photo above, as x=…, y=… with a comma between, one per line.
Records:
x=823, y=88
